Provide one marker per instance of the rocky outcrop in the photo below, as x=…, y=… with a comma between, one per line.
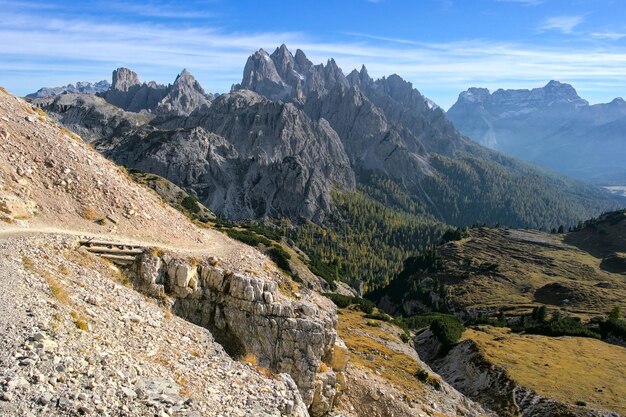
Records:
x=91, y=117
x=129, y=94
x=551, y=126
x=80, y=87
x=250, y=316
x=244, y=157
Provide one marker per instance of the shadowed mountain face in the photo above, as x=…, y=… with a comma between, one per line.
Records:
x=551, y=126
x=292, y=132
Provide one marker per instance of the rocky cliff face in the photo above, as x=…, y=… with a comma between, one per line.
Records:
x=241, y=154
x=90, y=116
x=385, y=125
x=80, y=87
x=179, y=98
x=551, y=125
x=251, y=315
x=465, y=368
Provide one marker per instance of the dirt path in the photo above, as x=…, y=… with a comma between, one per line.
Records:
x=234, y=254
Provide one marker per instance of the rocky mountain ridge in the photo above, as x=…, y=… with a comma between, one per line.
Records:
x=82, y=87
x=180, y=98
x=551, y=126
x=355, y=126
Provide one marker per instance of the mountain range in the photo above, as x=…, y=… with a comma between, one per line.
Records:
x=352, y=164
x=80, y=87
x=551, y=126
x=311, y=129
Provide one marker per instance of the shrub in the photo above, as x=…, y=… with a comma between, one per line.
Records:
x=90, y=213
x=191, y=203
x=326, y=271
x=421, y=375
x=343, y=301
x=447, y=329
x=568, y=326
x=280, y=257
x=79, y=321
x=379, y=316
x=613, y=327
x=248, y=238
x=421, y=321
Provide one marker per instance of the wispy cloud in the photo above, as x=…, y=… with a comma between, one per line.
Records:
x=614, y=36
x=38, y=50
x=565, y=24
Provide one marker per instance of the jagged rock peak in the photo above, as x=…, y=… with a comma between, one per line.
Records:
x=283, y=60
x=474, y=94
x=186, y=78
x=185, y=74
x=184, y=96
x=123, y=79
x=558, y=89
x=302, y=62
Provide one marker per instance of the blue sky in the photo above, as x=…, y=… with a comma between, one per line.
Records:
x=441, y=46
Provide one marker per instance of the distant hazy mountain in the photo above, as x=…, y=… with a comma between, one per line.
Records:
x=79, y=87
x=551, y=126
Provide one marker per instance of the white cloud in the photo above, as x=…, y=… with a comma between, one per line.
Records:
x=614, y=36
x=565, y=24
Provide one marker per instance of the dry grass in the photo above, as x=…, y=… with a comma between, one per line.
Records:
x=253, y=361
x=250, y=359
x=365, y=341
x=40, y=113
x=80, y=321
x=91, y=213
x=28, y=263
x=156, y=252
x=4, y=90
x=526, y=261
x=70, y=134
x=57, y=290
x=568, y=369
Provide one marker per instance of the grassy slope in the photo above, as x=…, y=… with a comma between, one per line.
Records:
x=527, y=262
x=377, y=343
x=565, y=368
x=533, y=268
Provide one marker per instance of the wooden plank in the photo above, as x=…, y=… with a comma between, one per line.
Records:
x=93, y=242
x=118, y=257
x=99, y=249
